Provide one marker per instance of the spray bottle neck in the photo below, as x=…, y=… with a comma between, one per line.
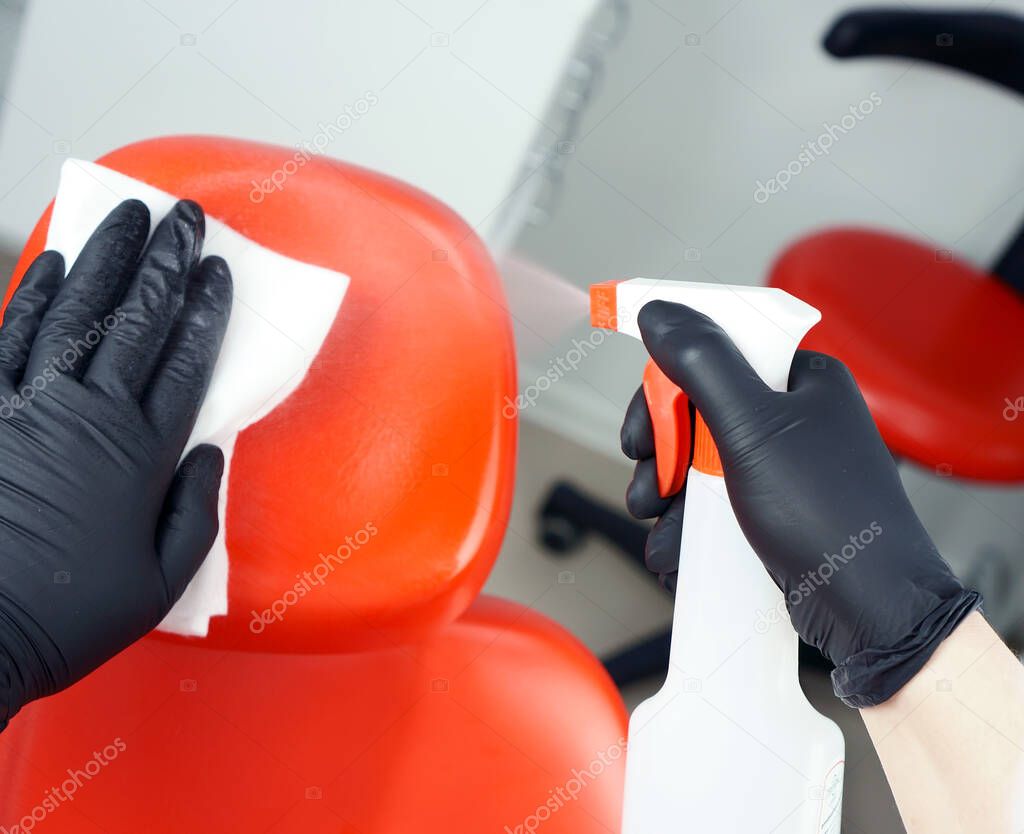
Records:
x=730, y=624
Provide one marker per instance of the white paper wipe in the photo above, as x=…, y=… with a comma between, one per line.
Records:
x=281, y=314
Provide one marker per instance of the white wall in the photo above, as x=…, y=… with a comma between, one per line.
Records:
x=457, y=87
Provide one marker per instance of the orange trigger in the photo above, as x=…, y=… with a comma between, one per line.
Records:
x=670, y=418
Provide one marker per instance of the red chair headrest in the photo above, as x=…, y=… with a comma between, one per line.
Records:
x=393, y=454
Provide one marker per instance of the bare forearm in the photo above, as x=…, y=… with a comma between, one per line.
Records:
x=952, y=740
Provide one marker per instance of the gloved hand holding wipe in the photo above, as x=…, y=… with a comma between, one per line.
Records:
x=807, y=474
x=101, y=376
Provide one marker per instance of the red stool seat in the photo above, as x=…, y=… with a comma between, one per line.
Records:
x=936, y=345
x=499, y=720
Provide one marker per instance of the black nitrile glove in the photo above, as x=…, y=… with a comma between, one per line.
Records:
x=812, y=484
x=101, y=378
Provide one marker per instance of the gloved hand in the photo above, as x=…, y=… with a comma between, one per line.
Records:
x=101, y=378
x=812, y=484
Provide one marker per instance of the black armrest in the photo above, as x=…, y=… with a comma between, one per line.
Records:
x=989, y=45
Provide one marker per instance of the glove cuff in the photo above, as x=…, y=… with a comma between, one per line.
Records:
x=10, y=689
x=14, y=689
x=872, y=676
x=9, y=702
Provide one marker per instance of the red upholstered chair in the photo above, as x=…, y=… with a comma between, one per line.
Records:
x=390, y=699
x=934, y=342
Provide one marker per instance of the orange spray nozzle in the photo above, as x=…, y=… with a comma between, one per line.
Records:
x=614, y=306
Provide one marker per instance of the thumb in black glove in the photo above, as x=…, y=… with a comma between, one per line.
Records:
x=818, y=497
x=101, y=378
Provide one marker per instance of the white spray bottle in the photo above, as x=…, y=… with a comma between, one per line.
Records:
x=730, y=744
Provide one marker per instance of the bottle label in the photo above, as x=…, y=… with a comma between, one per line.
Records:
x=832, y=801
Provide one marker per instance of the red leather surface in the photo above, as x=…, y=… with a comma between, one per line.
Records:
x=936, y=345
x=471, y=731
x=398, y=424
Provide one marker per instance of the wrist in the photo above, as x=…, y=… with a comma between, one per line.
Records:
x=952, y=658
x=874, y=675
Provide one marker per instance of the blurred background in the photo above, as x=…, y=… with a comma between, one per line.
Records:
x=584, y=140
